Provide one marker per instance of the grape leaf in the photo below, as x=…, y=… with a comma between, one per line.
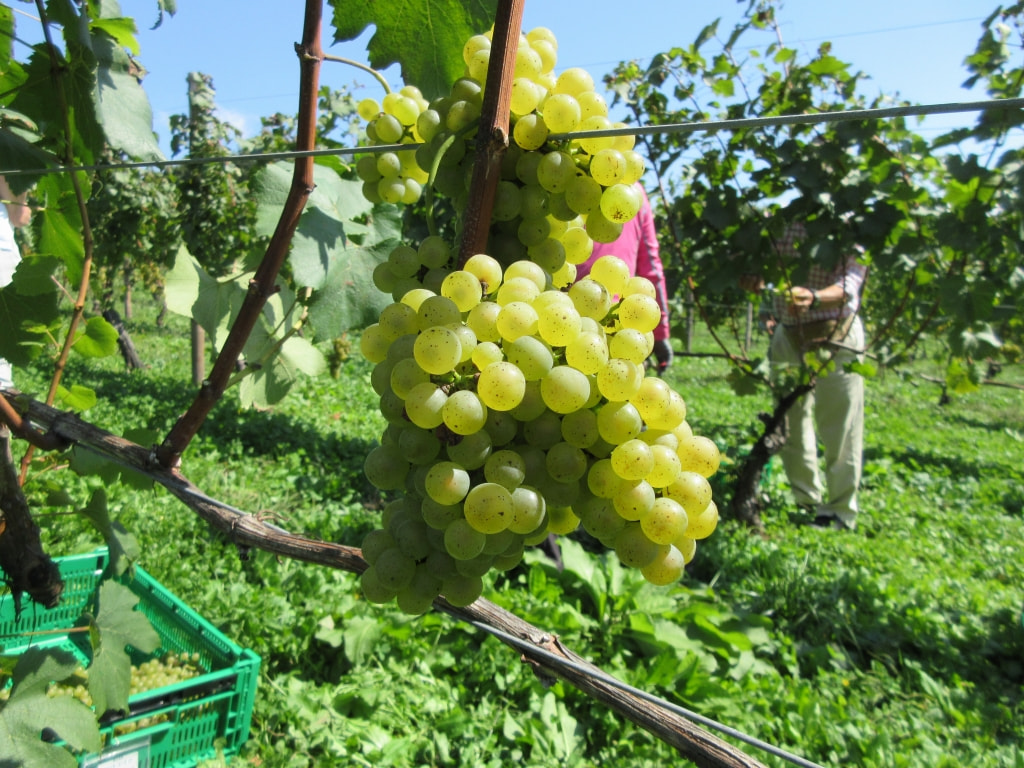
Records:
x=78, y=398
x=117, y=625
x=19, y=315
x=212, y=303
x=122, y=545
x=272, y=380
x=29, y=707
x=425, y=37
x=98, y=339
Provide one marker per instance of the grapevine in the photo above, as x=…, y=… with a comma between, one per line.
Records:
x=516, y=396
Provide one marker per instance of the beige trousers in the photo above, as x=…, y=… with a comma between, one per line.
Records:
x=833, y=412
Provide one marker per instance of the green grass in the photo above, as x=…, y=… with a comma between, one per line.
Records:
x=898, y=645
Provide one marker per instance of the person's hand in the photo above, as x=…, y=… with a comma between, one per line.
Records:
x=663, y=354
x=799, y=299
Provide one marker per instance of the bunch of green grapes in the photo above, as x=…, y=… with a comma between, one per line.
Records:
x=555, y=198
x=517, y=410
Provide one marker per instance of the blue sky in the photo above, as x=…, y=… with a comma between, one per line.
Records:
x=911, y=47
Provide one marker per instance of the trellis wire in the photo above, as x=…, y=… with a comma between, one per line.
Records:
x=709, y=126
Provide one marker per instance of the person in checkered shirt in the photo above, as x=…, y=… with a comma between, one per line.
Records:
x=823, y=314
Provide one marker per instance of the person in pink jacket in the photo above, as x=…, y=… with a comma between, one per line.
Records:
x=638, y=247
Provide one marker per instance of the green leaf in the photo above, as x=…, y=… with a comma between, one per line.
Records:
x=425, y=38
x=60, y=224
x=271, y=381
x=29, y=709
x=361, y=637
x=19, y=316
x=78, y=398
x=119, y=625
x=212, y=303
x=123, y=546
x=35, y=275
x=98, y=339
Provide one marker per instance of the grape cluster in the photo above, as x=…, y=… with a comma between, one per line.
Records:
x=516, y=396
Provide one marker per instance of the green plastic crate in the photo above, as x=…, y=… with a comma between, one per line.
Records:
x=176, y=726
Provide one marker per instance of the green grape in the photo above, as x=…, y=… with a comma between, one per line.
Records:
x=579, y=428
x=474, y=44
x=526, y=166
x=418, y=596
x=603, y=481
x=528, y=63
x=687, y=547
x=461, y=114
x=531, y=355
x=564, y=276
x=583, y=194
x=375, y=542
x=368, y=108
x=394, y=569
x=401, y=348
x=420, y=445
x=531, y=406
x=388, y=128
x=532, y=231
x=692, y=490
x=467, y=340
x=530, y=271
x=590, y=298
x=508, y=201
x=593, y=144
x=391, y=190
x=501, y=426
x=462, y=541
x=611, y=272
x=424, y=404
x=548, y=53
x=482, y=320
x=463, y=289
x=639, y=312
x=699, y=454
x=624, y=142
x=516, y=319
x=549, y=254
x=366, y=169
x=634, y=500
x=592, y=103
x=438, y=516
x=530, y=131
x=464, y=413
x=632, y=459
x=652, y=398
x=621, y=203
x=392, y=407
x=574, y=81
x=565, y=389
x=672, y=415
x=386, y=468
x=416, y=296
x=666, y=466
x=428, y=124
x=475, y=566
x=485, y=353
x=487, y=271
x=630, y=345
x=461, y=590
x=619, y=379
x=471, y=451
x=384, y=280
x=607, y=168
x=374, y=343
x=528, y=510
x=520, y=289
x=437, y=311
x=602, y=229
x=525, y=96
x=665, y=521
x=411, y=539
x=380, y=376
x=635, y=167
x=562, y=521
x=433, y=252
x=478, y=64
x=703, y=525
x=543, y=431
x=633, y=547
x=667, y=568
x=618, y=422
x=437, y=350
x=565, y=462
x=405, y=375
x=488, y=507
x=562, y=113
x=447, y=483
x=501, y=386
x=505, y=468
x=397, y=319
x=600, y=520
x=556, y=169
x=587, y=353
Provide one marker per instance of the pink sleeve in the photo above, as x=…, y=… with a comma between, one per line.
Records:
x=648, y=263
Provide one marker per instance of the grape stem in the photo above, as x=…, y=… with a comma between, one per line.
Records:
x=359, y=65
